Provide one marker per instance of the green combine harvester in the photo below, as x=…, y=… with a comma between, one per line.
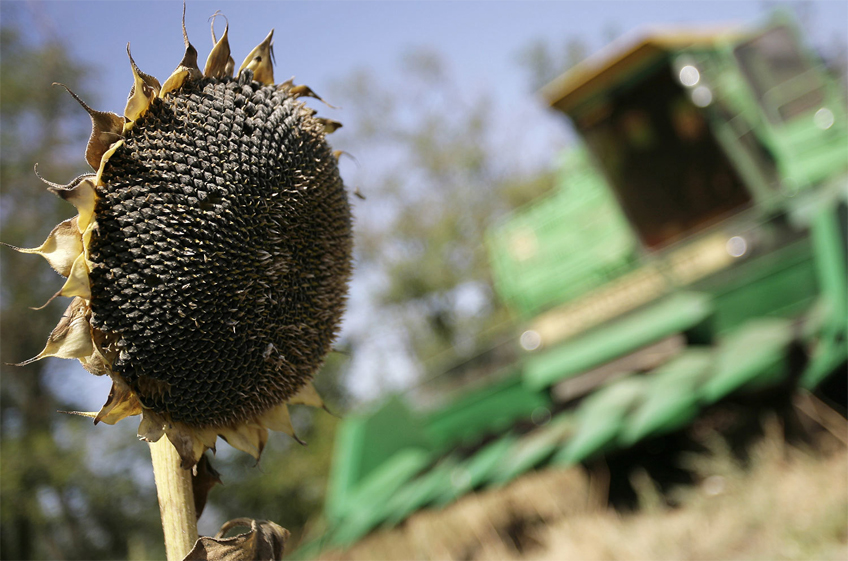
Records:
x=694, y=250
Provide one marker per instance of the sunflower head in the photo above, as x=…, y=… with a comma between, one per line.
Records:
x=209, y=260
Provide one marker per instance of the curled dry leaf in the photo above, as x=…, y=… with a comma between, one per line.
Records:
x=264, y=541
x=203, y=478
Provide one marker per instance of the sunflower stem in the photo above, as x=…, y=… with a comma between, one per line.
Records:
x=176, y=499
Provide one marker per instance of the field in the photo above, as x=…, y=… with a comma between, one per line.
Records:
x=771, y=494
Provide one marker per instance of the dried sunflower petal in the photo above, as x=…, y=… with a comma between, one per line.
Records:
x=61, y=248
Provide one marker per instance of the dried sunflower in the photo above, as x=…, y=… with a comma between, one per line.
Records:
x=209, y=261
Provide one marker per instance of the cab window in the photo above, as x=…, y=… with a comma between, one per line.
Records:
x=784, y=82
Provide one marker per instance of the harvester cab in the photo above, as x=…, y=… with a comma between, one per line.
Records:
x=693, y=249
x=712, y=175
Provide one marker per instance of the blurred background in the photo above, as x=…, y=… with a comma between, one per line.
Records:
x=517, y=281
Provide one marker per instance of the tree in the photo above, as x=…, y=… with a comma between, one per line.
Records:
x=57, y=500
x=438, y=166
x=544, y=62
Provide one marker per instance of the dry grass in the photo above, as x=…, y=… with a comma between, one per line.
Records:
x=789, y=505
x=786, y=504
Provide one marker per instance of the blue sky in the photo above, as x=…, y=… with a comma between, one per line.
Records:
x=319, y=42
x=322, y=42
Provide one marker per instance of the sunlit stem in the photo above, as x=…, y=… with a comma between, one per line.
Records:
x=176, y=500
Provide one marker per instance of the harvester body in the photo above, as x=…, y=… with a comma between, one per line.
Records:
x=694, y=248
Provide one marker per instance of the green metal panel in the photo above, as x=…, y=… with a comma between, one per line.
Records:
x=826, y=358
x=831, y=255
x=484, y=410
x=782, y=283
x=563, y=244
x=344, y=472
x=679, y=312
x=601, y=418
x=364, y=443
x=366, y=506
x=755, y=355
x=393, y=427
x=671, y=399
x=536, y=447
x=813, y=154
x=421, y=492
x=478, y=469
